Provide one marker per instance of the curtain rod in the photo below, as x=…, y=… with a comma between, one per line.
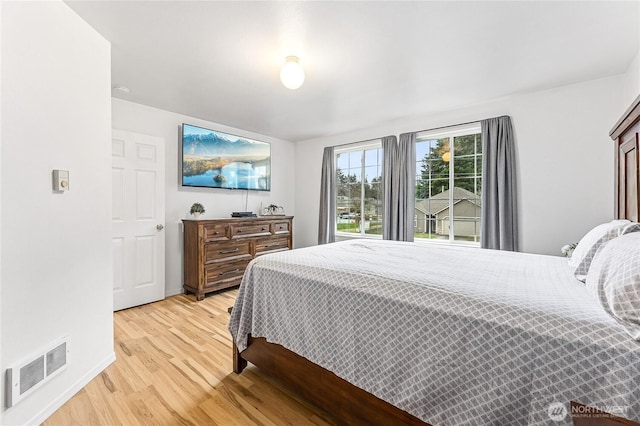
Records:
x=358, y=142
x=419, y=131
x=460, y=124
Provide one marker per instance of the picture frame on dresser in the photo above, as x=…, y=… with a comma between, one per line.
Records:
x=217, y=251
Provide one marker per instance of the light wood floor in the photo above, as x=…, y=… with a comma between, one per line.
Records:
x=174, y=367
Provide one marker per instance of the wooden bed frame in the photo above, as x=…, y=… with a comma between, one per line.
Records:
x=354, y=406
x=625, y=134
x=347, y=403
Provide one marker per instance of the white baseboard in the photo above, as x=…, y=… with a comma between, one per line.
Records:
x=173, y=292
x=47, y=411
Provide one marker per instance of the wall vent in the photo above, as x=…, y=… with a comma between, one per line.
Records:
x=24, y=377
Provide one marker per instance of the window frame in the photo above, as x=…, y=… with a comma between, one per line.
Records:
x=355, y=147
x=450, y=132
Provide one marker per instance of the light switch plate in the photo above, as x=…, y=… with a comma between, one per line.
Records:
x=60, y=180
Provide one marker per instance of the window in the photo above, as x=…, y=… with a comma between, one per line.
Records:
x=359, y=189
x=449, y=187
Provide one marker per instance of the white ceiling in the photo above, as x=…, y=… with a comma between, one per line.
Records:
x=365, y=62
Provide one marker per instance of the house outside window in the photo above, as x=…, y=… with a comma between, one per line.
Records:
x=359, y=190
x=449, y=184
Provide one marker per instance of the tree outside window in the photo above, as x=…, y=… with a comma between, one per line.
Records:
x=359, y=190
x=449, y=187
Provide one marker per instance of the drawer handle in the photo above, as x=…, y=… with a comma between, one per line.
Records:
x=229, y=251
x=216, y=233
x=230, y=272
x=273, y=245
x=264, y=229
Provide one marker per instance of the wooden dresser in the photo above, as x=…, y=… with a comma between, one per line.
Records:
x=217, y=251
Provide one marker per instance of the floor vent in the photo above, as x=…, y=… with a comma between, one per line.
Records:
x=23, y=378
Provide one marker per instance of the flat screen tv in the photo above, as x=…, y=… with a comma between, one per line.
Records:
x=214, y=159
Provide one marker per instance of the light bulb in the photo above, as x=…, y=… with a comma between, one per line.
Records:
x=292, y=74
x=446, y=157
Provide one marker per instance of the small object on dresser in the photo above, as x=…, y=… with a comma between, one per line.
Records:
x=243, y=214
x=273, y=210
x=196, y=210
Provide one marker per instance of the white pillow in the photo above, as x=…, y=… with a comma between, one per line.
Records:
x=591, y=242
x=614, y=278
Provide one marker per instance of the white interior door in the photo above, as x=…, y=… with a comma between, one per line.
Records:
x=138, y=219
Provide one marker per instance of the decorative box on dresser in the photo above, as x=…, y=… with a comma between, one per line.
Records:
x=217, y=251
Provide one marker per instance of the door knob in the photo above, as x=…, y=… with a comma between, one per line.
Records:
x=159, y=227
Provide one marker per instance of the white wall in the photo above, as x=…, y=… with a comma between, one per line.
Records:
x=217, y=202
x=632, y=82
x=565, y=173
x=56, y=257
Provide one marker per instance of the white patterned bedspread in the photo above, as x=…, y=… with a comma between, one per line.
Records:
x=452, y=335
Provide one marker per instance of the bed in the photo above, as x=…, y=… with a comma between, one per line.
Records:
x=380, y=332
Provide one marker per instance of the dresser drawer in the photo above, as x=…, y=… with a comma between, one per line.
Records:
x=227, y=251
x=214, y=232
x=249, y=230
x=222, y=284
x=219, y=273
x=281, y=228
x=270, y=245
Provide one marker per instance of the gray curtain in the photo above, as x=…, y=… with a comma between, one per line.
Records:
x=398, y=182
x=405, y=166
x=327, y=223
x=499, y=223
x=389, y=196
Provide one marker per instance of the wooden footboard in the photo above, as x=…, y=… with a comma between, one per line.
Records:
x=346, y=402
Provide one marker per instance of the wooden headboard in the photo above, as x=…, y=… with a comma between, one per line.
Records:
x=625, y=133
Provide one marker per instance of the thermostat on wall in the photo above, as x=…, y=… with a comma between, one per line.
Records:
x=61, y=180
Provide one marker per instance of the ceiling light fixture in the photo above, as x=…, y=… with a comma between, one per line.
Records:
x=292, y=74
